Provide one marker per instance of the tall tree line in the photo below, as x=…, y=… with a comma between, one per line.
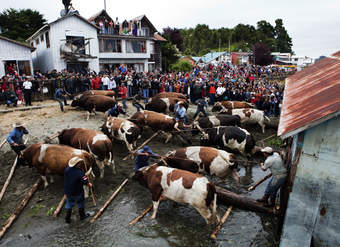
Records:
x=201, y=39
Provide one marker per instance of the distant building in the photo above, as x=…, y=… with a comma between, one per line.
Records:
x=282, y=58
x=213, y=58
x=189, y=59
x=16, y=54
x=311, y=117
x=240, y=57
x=100, y=43
x=302, y=61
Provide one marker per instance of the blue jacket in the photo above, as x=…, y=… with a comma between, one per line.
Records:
x=74, y=179
x=59, y=93
x=15, y=136
x=143, y=160
x=115, y=112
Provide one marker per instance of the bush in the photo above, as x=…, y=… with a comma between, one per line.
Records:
x=184, y=66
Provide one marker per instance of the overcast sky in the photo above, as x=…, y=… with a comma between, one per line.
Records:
x=313, y=25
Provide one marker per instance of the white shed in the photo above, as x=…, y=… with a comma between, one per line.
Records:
x=15, y=54
x=69, y=43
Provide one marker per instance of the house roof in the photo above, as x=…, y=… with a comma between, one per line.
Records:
x=212, y=56
x=17, y=43
x=59, y=19
x=102, y=12
x=158, y=37
x=141, y=17
x=311, y=96
x=196, y=58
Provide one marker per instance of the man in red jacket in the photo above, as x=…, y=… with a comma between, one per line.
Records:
x=123, y=92
x=96, y=82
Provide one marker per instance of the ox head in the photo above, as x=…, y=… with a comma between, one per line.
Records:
x=75, y=103
x=205, y=140
x=217, y=107
x=142, y=174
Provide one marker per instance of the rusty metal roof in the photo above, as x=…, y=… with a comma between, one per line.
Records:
x=311, y=96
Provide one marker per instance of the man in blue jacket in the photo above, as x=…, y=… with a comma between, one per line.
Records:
x=15, y=140
x=142, y=157
x=74, y=179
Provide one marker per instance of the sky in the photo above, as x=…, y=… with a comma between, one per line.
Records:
x=313, y=25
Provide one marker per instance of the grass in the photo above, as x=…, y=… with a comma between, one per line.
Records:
x=35, y=209
x=5, y=216
x=275, y=142
x=51, y=210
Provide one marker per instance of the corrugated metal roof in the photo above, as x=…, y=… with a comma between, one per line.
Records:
x=17, y=43
x=311, y=96
x=212, y=56
x=158, y=37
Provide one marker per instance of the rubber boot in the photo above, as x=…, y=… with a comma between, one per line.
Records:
x=68, y=216
x=82, y=213
x=270, y=204
x=264, y=199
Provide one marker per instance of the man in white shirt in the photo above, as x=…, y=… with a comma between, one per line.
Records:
x=112, y=84
x=219, y=92
x=275, y=164
x=28, y=91
x=106, y=82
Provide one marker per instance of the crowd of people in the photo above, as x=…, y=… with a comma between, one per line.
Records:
x=211, y=83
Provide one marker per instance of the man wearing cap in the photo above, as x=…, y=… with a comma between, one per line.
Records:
x=275, y=164
x=115, y=111
x=74, y=179
x=15, y=140
x=181, y=114
x=143, y=156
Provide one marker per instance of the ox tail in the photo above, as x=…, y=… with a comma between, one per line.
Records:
x=95, y=156
x=267, y=118
x=214, y=210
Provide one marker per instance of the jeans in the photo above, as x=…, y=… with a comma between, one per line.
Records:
x=28, y=96
x=138, y=106
x=146, y=95
x=198, y=110
x=71, y=200
x=124, y=103
x=273, y=186
x=61, y=103
x=13, y=101
x=129, y=88
x=212, y=98
x=17, y=150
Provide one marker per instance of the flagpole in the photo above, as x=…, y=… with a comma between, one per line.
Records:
x=105, y=5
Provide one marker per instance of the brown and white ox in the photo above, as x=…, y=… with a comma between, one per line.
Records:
x=122, y=130
x=93, y=103
x=164, y=105
x=100, y=92
x=218, y=106
x=52, y=159
x=208, y=160
x=248, y=115
x=157, y=121
x=171, y=95
x=93, y=141
x=180, y=186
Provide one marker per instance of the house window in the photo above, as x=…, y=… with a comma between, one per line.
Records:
x=134, y=46
x=32, y=44
x=76, y=44
x=110, y=45
x=145, y=31
x=24, y=67
x=47, y=38
x=42, y=38
x=37, y=41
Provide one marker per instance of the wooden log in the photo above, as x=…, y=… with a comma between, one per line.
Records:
x=259, y=182
x=109, y=201
x=2, y=143
x=227, y=197
x=133, y=222
x=144, y=143
x=8, y=180
x=223, y=220
x=60, y=206
x=19, y=208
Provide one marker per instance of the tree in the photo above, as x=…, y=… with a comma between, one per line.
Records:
x=175, y=36
x=169, y=54
x=283, y=41
x=20, y=25
x=184, y=66
x=262, y=54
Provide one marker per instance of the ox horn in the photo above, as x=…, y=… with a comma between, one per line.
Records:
x=89, y=171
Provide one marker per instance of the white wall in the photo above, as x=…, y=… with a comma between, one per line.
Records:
x=12, y=51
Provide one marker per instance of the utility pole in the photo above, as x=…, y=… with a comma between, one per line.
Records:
x=105, y=5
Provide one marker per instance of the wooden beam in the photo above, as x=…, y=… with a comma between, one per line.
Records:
x=223, y=220
x=133, y=222
x=60, y=205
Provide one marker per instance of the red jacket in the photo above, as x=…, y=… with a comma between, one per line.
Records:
x=122, y=92
x=96, y=83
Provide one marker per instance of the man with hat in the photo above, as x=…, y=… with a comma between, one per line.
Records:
x=181, y=114
x=15, y=140
x=275, y=164
x=74, y=179
x=143, y=156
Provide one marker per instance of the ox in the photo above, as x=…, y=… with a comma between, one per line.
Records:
x=122, y=130
x=100, y=92
x=171, y=95
x=164, y=105
x=51, y=159
x=157, y=121
x=249, y=116
x=180, y=186
x=233, y=139
x=93, y=103
x=207, y=160
x=95, y=142
x=218, y=106
x=215, y=121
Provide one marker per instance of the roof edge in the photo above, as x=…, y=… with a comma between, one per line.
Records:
x=17, y=42
x=309, y=125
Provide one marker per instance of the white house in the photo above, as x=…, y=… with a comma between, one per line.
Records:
x=69, y=43
x=16, y=54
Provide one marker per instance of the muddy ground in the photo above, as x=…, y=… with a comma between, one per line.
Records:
x=176, y=225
